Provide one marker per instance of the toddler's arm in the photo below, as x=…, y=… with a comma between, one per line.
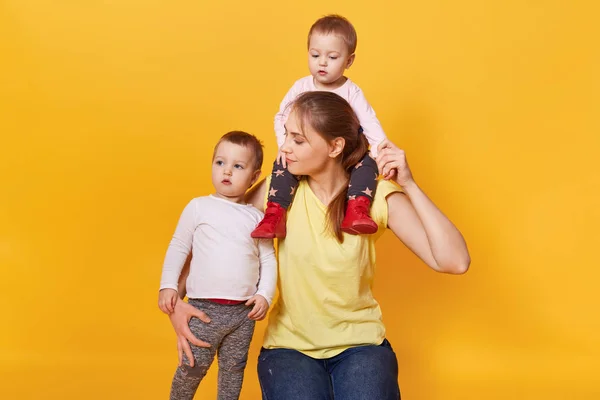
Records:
x=283, y=113
x=178, y=251
x=368, y=120
x=167, y=299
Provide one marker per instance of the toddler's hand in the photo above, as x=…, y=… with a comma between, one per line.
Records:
x=167, y=298
x=391, y=162
x=261, y=306
x=390, y=173
x=281, y=159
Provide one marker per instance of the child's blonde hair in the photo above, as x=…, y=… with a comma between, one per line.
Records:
x=337, y=25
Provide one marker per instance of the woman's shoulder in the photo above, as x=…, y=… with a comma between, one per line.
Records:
x=385, y=188
x=257, y=195
x=379, y=207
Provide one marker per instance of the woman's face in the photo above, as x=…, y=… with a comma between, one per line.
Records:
x=306, y=152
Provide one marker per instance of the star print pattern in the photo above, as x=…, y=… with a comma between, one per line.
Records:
x=363, y=179
x=359, y=176
x=368, y=192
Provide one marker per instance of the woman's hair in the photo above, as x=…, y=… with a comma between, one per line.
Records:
x=332, y=117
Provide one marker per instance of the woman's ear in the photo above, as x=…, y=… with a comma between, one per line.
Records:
x=336, y=147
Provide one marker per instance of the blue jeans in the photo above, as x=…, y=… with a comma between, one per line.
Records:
x=358, y=373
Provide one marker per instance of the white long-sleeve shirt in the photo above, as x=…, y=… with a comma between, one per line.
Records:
x=351, y=93
x=226, y=262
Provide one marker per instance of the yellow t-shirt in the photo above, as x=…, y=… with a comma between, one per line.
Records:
x=325, y=303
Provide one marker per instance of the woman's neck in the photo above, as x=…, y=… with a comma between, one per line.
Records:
x=327, y=184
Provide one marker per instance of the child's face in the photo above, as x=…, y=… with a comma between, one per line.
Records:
x=327, y=59
x=233, y=171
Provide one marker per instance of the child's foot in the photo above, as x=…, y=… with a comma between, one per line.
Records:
x=272, y=225
x=357, y=220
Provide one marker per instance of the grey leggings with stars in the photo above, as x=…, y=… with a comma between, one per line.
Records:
x=363, y=182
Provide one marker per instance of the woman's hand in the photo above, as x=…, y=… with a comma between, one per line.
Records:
x=180, y=319
x=391, y=162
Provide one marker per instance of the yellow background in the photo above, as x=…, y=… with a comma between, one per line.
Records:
x=108, y=115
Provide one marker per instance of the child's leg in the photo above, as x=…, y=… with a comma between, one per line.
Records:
x=361, y=191
x=283, y=186
x=233, y=355
x=363, y=179
x=186, y=379
x=281, y=193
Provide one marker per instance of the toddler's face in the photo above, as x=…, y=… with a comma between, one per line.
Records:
x=233, y=170
x=328, y=58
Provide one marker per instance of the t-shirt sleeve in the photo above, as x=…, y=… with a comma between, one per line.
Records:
x=379, y=207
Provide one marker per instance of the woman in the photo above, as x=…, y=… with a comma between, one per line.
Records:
x=325, y=338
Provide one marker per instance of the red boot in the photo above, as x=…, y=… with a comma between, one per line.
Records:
x=272, y=225
x=357, y=220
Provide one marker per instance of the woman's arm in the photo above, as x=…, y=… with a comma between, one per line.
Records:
x=185, y=272
x=181, y=315
x=256, y=195
x=416, y=220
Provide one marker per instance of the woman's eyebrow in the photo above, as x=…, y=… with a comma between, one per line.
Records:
x=293, y=133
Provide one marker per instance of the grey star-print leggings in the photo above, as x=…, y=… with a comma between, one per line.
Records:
x=363, y=182
x=229, y=334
